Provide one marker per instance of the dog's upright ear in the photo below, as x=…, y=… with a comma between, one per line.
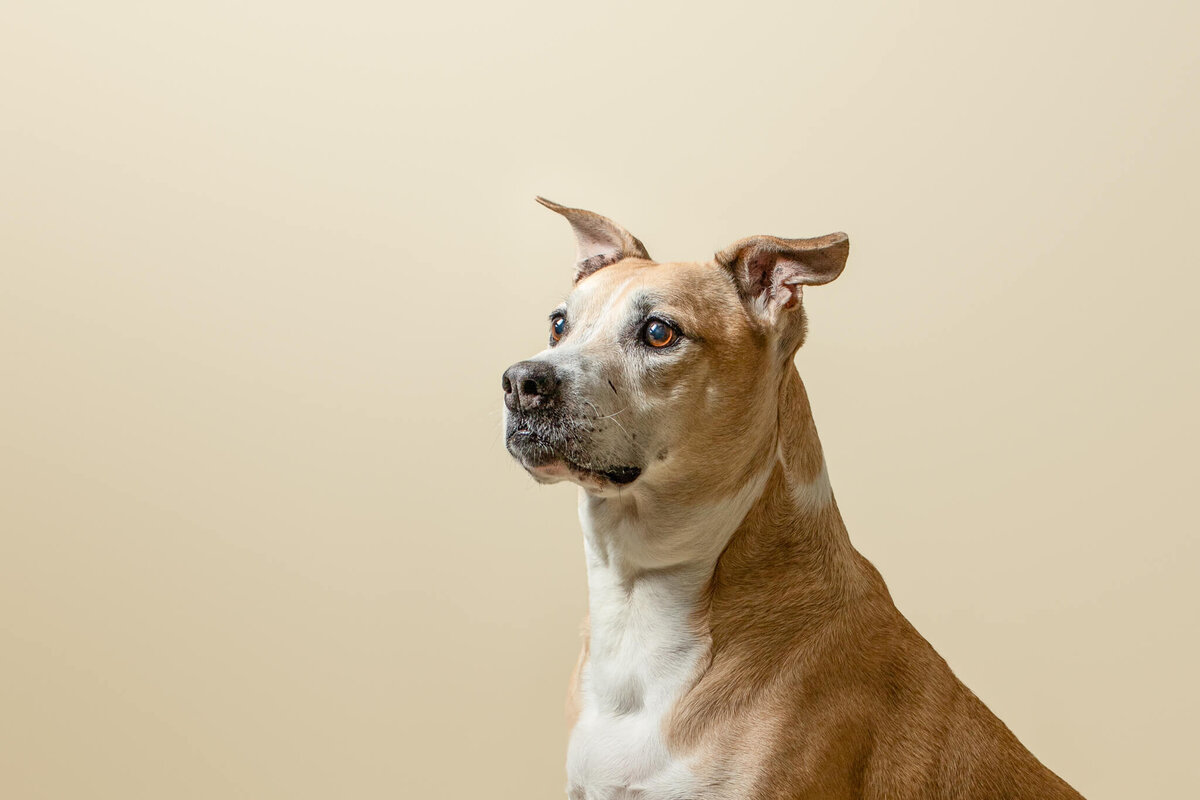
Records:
x=771, y=272
x=601, y=241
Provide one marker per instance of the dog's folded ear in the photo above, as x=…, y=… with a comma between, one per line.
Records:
x=601, y=241
x=770, y=271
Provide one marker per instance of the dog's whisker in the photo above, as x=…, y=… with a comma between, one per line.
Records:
x=613, y=416
x=622, y=427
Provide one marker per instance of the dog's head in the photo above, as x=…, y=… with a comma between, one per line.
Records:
x=663, y=373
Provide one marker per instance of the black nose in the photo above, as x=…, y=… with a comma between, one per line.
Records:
x=530, y=384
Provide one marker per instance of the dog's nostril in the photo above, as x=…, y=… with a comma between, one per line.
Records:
x=528, y=384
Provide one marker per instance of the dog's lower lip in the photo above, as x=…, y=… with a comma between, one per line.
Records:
x=622, y=475
x=546, y=457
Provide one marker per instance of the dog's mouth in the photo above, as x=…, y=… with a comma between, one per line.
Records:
x=552, y=455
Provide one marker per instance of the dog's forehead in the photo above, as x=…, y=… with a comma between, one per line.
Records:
x=695, y=290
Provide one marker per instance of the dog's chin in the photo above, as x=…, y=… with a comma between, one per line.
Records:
x=547, y=464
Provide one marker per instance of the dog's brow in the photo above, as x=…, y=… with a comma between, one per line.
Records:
x=645, y=301
x=653, y=304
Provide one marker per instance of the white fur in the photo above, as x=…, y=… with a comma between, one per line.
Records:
x=644, y=653
x=811, y=496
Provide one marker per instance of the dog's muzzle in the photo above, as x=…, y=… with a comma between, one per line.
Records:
x=542, y=428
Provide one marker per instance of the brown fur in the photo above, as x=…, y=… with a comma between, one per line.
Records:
x=816, y=684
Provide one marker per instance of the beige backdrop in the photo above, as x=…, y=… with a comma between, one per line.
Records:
x=264, y=264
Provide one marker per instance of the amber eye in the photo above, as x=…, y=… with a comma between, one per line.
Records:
x=558, y=326
x=658, y=333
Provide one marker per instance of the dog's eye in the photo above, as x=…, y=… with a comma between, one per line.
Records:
x=658, y=333
x=558, y=327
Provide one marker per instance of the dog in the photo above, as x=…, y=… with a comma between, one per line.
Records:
x=737, y=646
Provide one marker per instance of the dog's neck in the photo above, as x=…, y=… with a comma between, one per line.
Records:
x=654, y=617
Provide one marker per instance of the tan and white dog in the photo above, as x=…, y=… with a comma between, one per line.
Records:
x=737, y=645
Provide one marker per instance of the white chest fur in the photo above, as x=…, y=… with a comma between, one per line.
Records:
x=643, y=656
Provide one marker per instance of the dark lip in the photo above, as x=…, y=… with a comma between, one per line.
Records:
x=622, y=476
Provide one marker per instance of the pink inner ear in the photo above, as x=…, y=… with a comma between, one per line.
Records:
x=774, y=271
x=774, y=278
x=760, y=273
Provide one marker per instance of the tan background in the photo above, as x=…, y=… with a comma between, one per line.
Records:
x=264, y=264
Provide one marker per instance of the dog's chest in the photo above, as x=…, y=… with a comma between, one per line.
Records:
x=643, y=657
x=622, y=757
